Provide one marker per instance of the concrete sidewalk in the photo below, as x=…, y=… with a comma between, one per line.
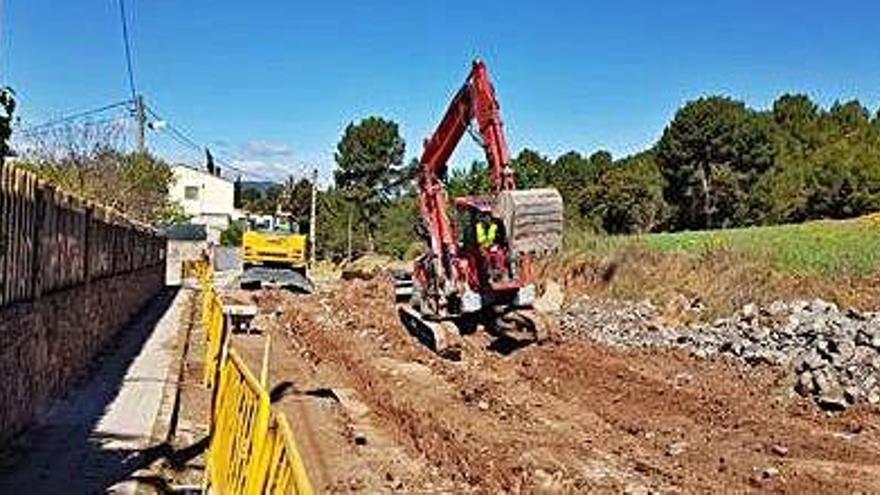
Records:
x=100, y=434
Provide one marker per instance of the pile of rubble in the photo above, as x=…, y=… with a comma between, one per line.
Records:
x=834, y=354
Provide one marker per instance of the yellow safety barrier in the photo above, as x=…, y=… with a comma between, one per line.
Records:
x=212, y=322
x=252, y=448
x=241, y=422
x=192, y=268
x=285, y=472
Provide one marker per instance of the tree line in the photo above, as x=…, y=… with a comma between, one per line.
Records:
x=721, y=164
x=718, y=164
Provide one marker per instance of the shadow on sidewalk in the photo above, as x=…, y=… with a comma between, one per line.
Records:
x=64, y=452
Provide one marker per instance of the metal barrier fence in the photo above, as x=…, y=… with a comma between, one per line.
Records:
x=241, y=419
x=212, y=322
x=284, y=468
x=51, y=240
x=252, y=449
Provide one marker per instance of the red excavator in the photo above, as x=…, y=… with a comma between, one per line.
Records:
x=477, y=271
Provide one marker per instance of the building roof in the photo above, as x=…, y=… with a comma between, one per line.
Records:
x=199, y=170
x=185, y=232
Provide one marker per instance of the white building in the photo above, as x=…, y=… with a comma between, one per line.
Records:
x=208, y=199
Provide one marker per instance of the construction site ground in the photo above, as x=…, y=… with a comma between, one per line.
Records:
x=374, y=411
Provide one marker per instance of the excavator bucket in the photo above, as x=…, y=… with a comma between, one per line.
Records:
x=532, y=218
x=442, y=337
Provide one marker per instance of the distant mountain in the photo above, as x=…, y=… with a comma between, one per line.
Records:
x=257, y=185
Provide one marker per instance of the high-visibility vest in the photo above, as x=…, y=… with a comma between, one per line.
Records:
x=486, y=237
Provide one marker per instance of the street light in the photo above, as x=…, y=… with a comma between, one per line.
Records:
x=157, y=125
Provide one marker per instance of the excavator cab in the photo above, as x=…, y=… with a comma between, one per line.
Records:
x=483, y=243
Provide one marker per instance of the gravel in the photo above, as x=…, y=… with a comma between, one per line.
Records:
x=833, y=354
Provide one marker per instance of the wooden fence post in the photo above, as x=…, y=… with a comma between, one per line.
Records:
x=37, y=268
x=5, y=241
x=87, y=243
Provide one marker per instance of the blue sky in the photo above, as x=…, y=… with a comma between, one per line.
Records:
x=274, y=83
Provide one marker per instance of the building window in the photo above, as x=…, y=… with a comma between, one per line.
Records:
x=191, y=192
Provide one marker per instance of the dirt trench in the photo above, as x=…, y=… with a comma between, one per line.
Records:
x=373, y=411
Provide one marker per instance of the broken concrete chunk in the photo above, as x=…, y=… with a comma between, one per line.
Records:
x=831, y=395
x=833, y=354
x=749, y=311
x=779, y=450
x=769, y=472
x=552, y=299
x=813, y=361
x=804, y=385
x=676, y=448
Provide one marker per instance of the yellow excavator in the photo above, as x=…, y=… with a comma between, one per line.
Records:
x=274, y=254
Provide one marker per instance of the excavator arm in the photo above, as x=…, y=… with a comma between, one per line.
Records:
x=474, y=101
x=487, y=113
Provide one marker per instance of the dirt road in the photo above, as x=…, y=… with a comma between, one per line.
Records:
x=374, y=411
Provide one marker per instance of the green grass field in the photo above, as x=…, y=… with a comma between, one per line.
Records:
x=827, y=247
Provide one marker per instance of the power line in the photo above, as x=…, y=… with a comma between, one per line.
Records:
x=176, y=133
x=230, y=155
x=127, y=44
x=226, y=156
x=182, y=138
x=87, y=124
x=241, y=171
x=75, y=116
x=298, y=170
x=183, y=142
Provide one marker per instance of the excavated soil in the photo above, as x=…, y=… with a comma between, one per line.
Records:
x=373, y=411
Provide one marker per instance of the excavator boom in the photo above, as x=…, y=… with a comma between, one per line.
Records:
x=474, y=101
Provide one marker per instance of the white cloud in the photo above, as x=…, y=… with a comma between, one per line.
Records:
x=261, y=160
x=263, y=170
x=266, y=149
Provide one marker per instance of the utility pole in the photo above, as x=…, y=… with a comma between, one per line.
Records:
x=313, y=217
x=141, y=116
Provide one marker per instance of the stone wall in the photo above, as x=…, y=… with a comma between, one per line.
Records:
x=46, y=344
